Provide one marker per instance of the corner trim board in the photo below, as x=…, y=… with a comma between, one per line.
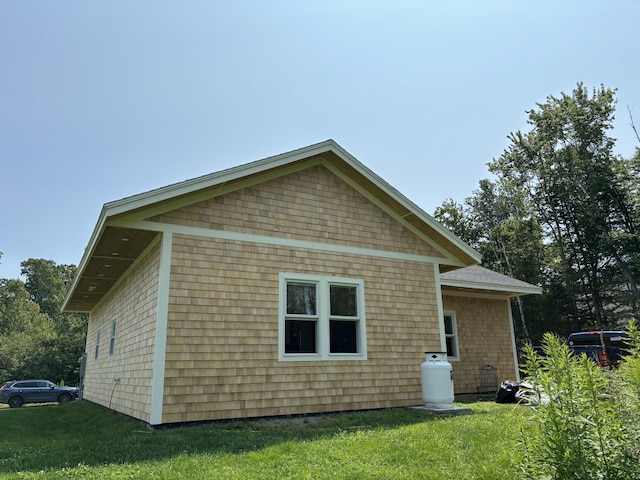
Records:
x=443, y=338
x=160, y=344
x=512, y=331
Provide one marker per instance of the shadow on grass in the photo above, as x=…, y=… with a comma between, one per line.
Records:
x=52, y=437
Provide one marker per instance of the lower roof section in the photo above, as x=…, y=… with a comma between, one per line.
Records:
x=477, y=279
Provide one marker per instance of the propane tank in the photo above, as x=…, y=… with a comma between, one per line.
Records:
x=437, y=380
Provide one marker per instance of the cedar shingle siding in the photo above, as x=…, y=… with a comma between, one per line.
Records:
x=222, y=348
x=484, y=335
x=312, y=205
x=133, y=303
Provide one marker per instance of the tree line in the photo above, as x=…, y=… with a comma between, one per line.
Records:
x=563, y=212
x=37, y=340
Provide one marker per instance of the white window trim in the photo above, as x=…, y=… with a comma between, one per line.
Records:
x=97, y=350
x=112, y=337
x=323, y=340
x=454, y=325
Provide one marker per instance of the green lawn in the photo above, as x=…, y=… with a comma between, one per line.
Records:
x=82, y=440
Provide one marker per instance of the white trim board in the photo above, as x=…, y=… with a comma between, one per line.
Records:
x=160, y=344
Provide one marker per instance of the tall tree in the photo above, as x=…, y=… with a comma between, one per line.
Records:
x=48, y=284
x=497, y=222
x=511, y=241
x=25, y=332
x=567, y=169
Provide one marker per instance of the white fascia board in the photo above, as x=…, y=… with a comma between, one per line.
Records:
x=220, y=189
x=402, y=219
x=522, y=290
x=95, y=235
x=219, y=178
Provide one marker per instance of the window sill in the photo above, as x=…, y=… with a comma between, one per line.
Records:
x=314, y=357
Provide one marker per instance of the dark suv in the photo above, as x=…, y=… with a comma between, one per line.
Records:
x=605, y=347
x=18, y=392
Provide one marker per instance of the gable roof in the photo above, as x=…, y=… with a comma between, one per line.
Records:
x=116, y=243
x=476, y=278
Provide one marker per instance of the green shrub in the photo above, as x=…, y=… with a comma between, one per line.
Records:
x=581, y=428
x=625, y=388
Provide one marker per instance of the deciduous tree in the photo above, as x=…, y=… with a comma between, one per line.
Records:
x=567, y=169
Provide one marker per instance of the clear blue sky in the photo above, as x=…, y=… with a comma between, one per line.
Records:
x=100, y=100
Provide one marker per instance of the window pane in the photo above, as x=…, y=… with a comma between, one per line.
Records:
x=344, y=337
x=301, y=299
x=112, y=342
x=300, y=336
x=344, y=301
x=451, y=346
x=448, y=325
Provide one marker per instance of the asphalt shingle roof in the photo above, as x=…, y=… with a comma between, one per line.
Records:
x=478, y=277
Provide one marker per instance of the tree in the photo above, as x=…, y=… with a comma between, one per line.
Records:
x=25, y=332
x=567, y=170
x=511, y=242
x=457, y=218
x=498, y=223
x=48, y=284
x=36, y=338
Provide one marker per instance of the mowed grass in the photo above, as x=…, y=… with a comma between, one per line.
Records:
x=83, y=440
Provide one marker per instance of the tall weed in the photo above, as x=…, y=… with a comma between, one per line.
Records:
x=625, y=388
x=580, y=429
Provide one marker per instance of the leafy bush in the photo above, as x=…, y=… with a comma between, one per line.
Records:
x=586, y=425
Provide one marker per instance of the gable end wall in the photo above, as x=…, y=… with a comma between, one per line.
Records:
x=311, y=205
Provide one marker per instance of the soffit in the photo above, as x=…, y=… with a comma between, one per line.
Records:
x=117, y=250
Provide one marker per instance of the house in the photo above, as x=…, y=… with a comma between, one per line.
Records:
x=301, y=283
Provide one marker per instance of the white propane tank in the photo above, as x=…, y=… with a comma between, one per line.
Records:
x=437, y=380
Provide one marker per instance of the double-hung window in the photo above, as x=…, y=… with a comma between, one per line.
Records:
x=321, y=318
x=451, y=335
